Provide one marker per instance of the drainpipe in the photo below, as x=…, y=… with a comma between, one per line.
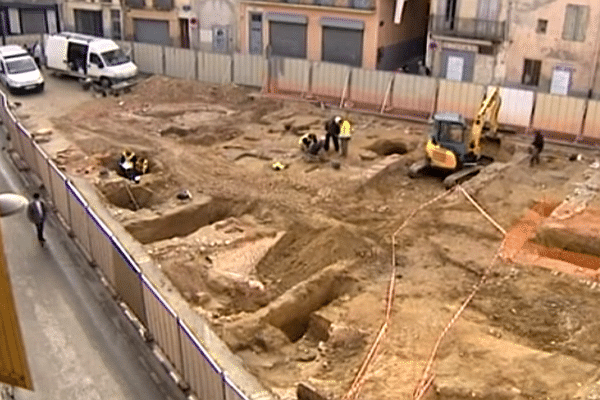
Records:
x=596, y=54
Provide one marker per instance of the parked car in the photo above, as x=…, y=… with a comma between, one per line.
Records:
x=90, y=57
x=18, y=70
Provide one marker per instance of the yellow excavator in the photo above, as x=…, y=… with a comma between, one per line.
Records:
x=453, y=148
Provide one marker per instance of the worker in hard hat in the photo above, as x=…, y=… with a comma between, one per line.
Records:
x=345, y=136
x=127, y=164
x=332, y=127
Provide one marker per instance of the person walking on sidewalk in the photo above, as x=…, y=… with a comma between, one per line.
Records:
x=36, y=212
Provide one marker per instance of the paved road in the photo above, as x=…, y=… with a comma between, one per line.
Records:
x=79, y=344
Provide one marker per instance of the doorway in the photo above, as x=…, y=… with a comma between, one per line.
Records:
x=184, y=32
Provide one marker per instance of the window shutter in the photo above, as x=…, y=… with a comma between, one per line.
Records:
x=570, y=21
x=582, y=22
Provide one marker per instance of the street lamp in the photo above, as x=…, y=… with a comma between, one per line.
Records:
x=11, y=204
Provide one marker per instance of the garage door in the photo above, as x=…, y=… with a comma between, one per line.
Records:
x=152, y=31
x=342, y=41
x=287, y=35
x=88, y=22
x=33, y=21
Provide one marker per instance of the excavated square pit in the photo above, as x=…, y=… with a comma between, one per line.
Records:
x=570, y=245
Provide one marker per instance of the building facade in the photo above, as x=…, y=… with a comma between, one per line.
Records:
x=199, y=24
x=372, y=34
x=551, y=46
x=99, y=18
x=29, y=16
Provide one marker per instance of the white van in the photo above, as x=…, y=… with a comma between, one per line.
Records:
x=84, y=56
x=18, y=70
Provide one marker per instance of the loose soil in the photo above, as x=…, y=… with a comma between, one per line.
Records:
x=291, y=266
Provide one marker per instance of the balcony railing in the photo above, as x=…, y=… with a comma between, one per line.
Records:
x=163, y=5
x=356, y=4
x=135, y=3
x=468, y=28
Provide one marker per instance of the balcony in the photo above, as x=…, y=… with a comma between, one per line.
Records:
x=368, y=5
x=135, y=3
x=163, y=5
x=467, y=28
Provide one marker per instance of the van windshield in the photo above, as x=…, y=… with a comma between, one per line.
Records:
x=20, y=65
x=115, y=57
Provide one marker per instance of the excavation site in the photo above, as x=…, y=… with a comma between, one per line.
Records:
x=290, y=258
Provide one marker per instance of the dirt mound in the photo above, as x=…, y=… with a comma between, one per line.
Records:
x=304, y=251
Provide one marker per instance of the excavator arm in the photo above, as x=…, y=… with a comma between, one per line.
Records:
x=489, y=108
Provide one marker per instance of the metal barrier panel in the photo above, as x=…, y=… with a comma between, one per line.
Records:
x=162, y=322
x=460, y=97
x=592, y=120
x=290, y=74
x=202, y=374
x=214, y=67
x=516, y=106
x=15, y=136
x=101, y=246
x=42, y=164
x=558, y=113
x=231, y=391
x=126, y=46
x=180, y=63
x=27, y=145
x=369, y=87
x=79, y=218
x=413, y=93
x=249, y=69
x=329, y=79
x=148, y=58
x=59, y=193
x=128, y=282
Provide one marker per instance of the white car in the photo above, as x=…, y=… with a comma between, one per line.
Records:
x=18, y=70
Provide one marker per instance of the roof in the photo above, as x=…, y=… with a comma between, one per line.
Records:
x=102, y=43
x=451, y=117
x=12, y=50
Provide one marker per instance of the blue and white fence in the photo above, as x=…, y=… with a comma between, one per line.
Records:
x=178, y=340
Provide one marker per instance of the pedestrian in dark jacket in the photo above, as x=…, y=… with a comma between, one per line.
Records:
x=332, y=127
x=536, y=148
x=36, y=212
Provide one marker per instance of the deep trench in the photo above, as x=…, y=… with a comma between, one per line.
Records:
x=185, y=219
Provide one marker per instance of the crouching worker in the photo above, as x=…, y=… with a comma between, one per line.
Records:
x=310, y=144
x=127, y=164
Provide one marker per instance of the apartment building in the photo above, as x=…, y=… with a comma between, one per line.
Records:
x=200, y=24
x=551, y=46
x=372, y=34
x=29, y=16
x=94, y=17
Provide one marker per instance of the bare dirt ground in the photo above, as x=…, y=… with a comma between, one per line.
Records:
x=291, y=267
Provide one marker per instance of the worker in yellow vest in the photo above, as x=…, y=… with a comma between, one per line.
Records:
x=345, y=135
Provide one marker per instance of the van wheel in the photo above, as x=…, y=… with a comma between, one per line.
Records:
x=105, y=82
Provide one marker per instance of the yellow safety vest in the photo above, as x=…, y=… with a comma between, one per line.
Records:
x=346, y=129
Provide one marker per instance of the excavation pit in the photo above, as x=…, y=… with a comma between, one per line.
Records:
x=387, y=147
x=182, y=220
x=569, y=245
x=291, y=312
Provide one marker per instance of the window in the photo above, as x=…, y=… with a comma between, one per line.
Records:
x=542, y=25
x=531, y=72
x=95, y=59
x=576, y=20
x=115, y=17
